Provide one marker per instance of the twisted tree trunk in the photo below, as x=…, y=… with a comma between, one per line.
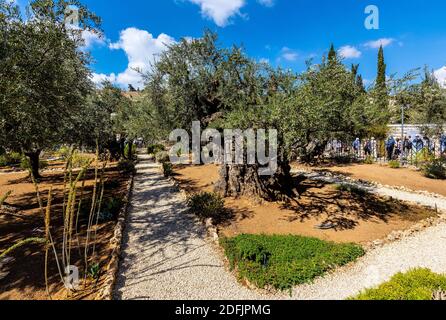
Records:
x=34, y=160
x=244, y=180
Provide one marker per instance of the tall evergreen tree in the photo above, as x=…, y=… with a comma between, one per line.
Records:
x=381, y=78
x=332, y=55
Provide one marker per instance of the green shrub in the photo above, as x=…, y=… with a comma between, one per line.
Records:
x=351, y=188
x=207, y=205
x=162, y=157
x=126, y=166
x=417, y=284
x=285, y=261
x=3, y=160
x=80, y=160
x=110, y=209
x=64, y=152
x=369, y=160
x=167, y=169
x=435, y=169
x=394, y=164
x=94, y=271
x=10, y=159
x=155, y=148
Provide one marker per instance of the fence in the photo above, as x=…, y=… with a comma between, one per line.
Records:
x=378, y=151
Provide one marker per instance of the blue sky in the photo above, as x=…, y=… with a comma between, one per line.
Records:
x=284, y=32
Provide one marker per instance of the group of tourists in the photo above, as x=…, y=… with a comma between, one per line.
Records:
x=397, y=147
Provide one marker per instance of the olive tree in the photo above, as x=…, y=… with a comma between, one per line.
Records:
x=44, y=76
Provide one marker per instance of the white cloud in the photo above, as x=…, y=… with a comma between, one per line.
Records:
x=440, y=74
x=289, y=54
x=141, y=49
x=267, y=3
x=380, y=42
x=92, y=38
x=220, y=11
x=349, y=52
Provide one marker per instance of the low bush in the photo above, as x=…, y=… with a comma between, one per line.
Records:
x=417, y=284
x=167, y=169
x=369, y=160
x=282, y=262
x=435, y=169
x=155, y=148
x=343, y=159
x=351, y=188
x=64, y=152
x=10, y=159
x=110, y=209
x=162, y=157
x=394, y=164
x=80, y=160
x=207, y=205
x=126, y=166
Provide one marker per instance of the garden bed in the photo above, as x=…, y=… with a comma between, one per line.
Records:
x=384, y=175
x=358, y=218
x=22, y=278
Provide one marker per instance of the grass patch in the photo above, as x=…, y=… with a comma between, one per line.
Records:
x=417, y=284
x=394, y=164
x=282, y=262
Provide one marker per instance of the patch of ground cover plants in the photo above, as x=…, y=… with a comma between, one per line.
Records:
x=417, y=284
x=282, y=262
x=435, y=169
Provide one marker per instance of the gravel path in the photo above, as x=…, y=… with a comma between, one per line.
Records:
x=166, y=254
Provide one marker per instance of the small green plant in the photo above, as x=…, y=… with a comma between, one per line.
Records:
x=80, y=160
x=64, y=152
x=207, y=205
x=369, y=160
x=94, y=271
x=417, y=284
x=3, y=160
x=162, y=157
x=285, y=261
x=126, y=166
x=167, y=169
x=351, y=188
x=394, y=164
x=435, y=169
x=110, y=209
x=155, y=148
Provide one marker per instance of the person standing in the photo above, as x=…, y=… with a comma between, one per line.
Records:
x=418, y=144
x=374, y=146
x=368, y=148
x=390, y=147
x=443, y=144
x=357, y=147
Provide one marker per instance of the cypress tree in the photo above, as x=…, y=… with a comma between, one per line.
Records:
x=381, y=78
x=332, y=55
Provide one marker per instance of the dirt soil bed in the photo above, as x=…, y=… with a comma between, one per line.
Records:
x=359, y=218
x=23, y=277
x=403, y=177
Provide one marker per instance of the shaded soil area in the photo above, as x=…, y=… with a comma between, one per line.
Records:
x=403, y=177
x=22, y=276
x=358, y=218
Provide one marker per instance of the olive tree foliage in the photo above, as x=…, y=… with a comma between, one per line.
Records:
x=427, y=102
x=197, y=80
x=44, y=78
